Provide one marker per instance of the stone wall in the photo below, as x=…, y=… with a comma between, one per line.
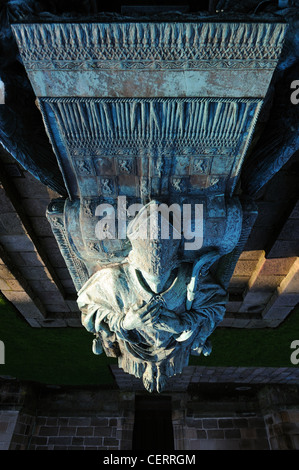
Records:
x=76, y=433
x=23, y=431
x=232, y=417
x=37, y=417
x=220, y=417
x=206, y=417
x=281, y=416
x=225, y=433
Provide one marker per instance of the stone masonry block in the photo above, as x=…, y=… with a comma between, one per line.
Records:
x=53, y=323
x=16, y=243
x=277, y=313
x=232, y=434
x=46, y=286
x=41, y=226
x=5, y=203
x=5, y=274
x=244, y=267
x=215, y=434
x=253, y=255
x=74, y=322
x=35, y=273
x=25, y=304
x=73, y=306
x=10, y=224
x=30, y=259
x=291, y=282
x=277, y=266
x=8, y=419
x=35, y=207
x=241, y=323
x=255, y=298
x=227, y=322
x=4, y=286
x=284, y=300
x=30, y=186
x=238, y=282
x=269, y=282
x=33, y=322
x=80, y=421
x=255, y=273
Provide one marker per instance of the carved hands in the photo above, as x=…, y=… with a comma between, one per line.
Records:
x=138, y=317
x=153, y=315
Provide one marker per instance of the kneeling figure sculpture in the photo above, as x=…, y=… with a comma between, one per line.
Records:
x=140, y=313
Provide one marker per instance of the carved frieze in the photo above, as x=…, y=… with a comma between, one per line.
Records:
x=54, y=45
x=150, y=59
x=196, y=143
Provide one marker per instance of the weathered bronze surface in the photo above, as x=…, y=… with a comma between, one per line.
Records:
x=151, y=114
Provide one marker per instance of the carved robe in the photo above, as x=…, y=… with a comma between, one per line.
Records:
x=107, y=297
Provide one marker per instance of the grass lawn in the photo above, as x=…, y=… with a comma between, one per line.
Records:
x=63, y=356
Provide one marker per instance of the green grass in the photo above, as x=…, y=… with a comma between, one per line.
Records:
x=63, y=356
x=60, y=356
x=267, y=347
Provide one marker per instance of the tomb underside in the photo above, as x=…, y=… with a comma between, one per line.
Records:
x=158, y=115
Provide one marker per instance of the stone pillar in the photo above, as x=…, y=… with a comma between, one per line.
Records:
x=286, y=296
x=15, y=418
x=269, y=290
x=126, y=422
x=49, y=418
x=281, y=413
x=30, y=270
x=8, y=419
x=178, y=421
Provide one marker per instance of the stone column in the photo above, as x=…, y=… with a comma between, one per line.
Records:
x=8, y=419
x=281, y=413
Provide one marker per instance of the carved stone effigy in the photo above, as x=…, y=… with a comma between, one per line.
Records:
x=150, y=114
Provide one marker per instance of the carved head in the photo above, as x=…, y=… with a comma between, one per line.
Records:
x=155, y=242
